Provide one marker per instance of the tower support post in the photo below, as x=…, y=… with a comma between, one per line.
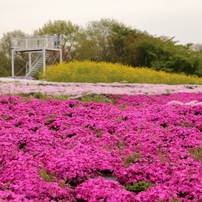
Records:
x=30, y=61
x=44, y=61
x=60, y=55
x=12, y=55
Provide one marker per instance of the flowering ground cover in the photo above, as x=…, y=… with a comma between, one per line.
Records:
x=140, y=148
x=87, y=72
x=75, y=90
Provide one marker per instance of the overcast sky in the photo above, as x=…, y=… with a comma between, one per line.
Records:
x=173, y=18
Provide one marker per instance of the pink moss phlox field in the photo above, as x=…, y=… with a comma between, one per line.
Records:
x=100, y=189
x=13, y=86
x=63, y=150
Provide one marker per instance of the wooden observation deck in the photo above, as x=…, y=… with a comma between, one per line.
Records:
x=40, y=46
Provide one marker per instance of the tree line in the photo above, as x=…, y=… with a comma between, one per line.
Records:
x=110, y=41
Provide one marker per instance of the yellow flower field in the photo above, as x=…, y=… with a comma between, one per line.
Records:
x=102, y=72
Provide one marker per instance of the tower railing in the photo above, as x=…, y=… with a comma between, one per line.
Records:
x=31, y=43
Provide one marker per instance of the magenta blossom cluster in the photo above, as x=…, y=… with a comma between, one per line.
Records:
x=68, y=150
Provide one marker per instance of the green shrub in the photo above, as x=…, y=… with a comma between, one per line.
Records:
x=131, y=159
x=196, y=153
x=139, y=186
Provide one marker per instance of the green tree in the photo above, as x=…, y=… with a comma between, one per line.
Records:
x=70, y=34
x=5, y=43
x=146, y=49
x=97, y=41
x=178, y=59
x=122, y=38
x=5, y=65
x=6, y=52
x=85, y=50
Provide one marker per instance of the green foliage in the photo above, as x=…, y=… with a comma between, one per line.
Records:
x=94, y=98
x=98, y=44
x=5, y=45
x=5, y=54
x=40, y=70
x=51, y=177
x=40, y=95
x=119, y=145
x=180, y=59
x=70, y=35
x=167, y=56
x=172, y=200
x=122, y=38
x=131, y=159
x=145, y=48
x=86, y=50
x=196, y=153
x=5, y=65
x=85, y=98
x=139, y=186
x=47, y=177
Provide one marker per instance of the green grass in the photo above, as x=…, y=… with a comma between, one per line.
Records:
x=94, y=98
x=42, y=96
x=84, y=98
